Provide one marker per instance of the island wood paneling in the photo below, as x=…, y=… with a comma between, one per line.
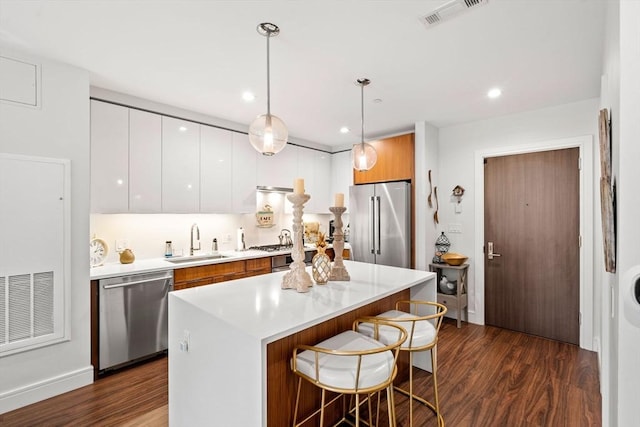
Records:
x=282, y=383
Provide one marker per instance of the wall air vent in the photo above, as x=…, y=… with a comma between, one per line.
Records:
x=449, y=10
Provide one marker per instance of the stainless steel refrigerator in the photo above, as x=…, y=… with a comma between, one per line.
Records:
x=380, y=223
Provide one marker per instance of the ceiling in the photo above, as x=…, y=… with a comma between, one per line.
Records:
x=202, y=55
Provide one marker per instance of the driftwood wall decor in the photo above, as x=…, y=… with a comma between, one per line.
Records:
x=607, y=193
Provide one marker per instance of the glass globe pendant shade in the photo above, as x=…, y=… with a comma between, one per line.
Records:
x=363, y=156
x=268, y=134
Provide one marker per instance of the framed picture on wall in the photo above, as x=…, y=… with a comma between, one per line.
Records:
x=607, y=193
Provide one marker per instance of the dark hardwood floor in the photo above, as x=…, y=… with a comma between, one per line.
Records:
x=487, y=377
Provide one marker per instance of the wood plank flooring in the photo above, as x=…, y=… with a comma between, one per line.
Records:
x=487, y=377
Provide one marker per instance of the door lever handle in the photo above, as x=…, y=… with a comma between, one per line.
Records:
x=490, y=253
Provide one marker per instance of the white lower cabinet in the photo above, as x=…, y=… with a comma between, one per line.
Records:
x=215, y=170
x=180, y=166
x=109, y=158
x=244, y=174
x=145, y=162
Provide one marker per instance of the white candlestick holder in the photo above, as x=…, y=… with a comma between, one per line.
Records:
x=338, y=270
x=297, y=277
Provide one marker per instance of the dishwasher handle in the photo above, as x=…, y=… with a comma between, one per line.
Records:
x=136, y=282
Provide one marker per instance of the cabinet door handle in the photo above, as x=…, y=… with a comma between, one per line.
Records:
x=490, y=253
x=377, y=214
x=372, y=220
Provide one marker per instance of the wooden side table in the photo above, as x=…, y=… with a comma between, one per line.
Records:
x=459, y=301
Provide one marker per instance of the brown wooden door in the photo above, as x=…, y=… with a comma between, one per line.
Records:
x=532, y=218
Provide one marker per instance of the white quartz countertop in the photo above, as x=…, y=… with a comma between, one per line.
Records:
x=258, y=307
x=162, y=264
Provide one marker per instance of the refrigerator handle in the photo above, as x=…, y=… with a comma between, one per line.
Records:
x=377, y=222
x=372, y=222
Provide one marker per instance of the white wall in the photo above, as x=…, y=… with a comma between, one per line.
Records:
x=60, y=129
x=426, y=159
x=146, y=234
x=626, y=173
x=610, y=99
x=458, y=146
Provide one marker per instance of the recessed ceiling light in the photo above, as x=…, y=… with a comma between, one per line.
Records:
x=182, y=128
x=248, y=96
x=344, y=129
x=494, y=93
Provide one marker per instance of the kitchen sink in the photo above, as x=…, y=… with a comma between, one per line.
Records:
x=194, y=258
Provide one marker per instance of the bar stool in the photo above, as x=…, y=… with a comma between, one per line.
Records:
x=350, y=363
x=423, y=336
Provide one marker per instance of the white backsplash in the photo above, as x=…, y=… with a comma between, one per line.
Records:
x=146, y=234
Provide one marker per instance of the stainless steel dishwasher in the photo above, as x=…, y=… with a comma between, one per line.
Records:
x=133, y=317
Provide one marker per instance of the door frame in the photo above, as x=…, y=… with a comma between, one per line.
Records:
x=585, y=145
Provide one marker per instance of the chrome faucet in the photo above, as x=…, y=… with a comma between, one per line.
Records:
x=191, y=248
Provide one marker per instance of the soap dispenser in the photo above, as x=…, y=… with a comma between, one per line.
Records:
x=214, y=246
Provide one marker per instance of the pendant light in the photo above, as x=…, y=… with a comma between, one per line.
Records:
x=363, y=155
x=268, y=133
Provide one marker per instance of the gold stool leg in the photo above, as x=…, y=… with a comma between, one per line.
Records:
x=391, y=406
x=410, y=389
x=295, y=411
x=435, y=407
x=434, y=368
x=378, y=410
x=322, y=409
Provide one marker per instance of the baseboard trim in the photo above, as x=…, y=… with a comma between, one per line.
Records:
x=35, y=392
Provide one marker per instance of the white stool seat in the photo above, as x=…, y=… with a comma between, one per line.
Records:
x=339, y=372
x=424, y=333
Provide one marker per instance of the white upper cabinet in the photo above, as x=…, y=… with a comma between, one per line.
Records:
x=145, y=162
x=315, y=167
x=244, y=175
x=341, y=175
x=148, y=163
x=180, y=166
x=280, y=169
x=109, y=158
x=215, y=170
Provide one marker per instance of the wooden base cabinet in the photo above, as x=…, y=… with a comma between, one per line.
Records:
x=190, y=277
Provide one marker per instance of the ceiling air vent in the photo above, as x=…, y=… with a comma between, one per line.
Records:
x=449, y=10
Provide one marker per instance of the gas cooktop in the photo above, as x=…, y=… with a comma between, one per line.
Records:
x=271, y=248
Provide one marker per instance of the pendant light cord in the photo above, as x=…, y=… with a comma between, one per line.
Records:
x=362, y=115
x=268, y=78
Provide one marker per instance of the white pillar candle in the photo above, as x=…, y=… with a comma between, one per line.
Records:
x=298, y=186
x=339, y=200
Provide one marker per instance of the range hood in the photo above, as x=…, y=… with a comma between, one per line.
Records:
x=269, y=189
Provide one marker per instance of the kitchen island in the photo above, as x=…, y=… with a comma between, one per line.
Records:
x=229, y=343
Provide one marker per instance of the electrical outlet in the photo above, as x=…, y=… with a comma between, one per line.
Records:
x=455, y=228
x=122, y=244
x=186, y=341
x=227, y=238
